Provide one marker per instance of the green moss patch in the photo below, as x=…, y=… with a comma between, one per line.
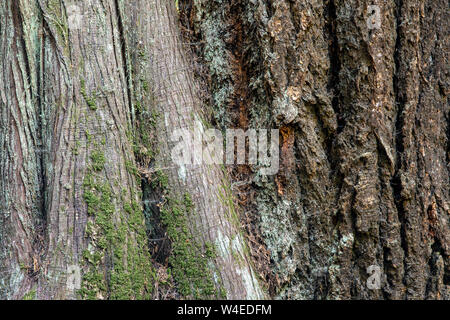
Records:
x=189, y=259
x=118, y=240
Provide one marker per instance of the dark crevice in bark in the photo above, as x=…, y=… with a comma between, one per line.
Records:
x=448, y=140
x=270, y=9
x=333, y=88
x=159, y=244
x=39, y=243
x=44, y=228
x=292, y=12
x=448, y=132
x=335, y=63
x=396, y=182
x=446, y=279
x=125, y=59
x=241, y=117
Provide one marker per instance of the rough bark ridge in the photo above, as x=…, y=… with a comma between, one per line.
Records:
x=364, y=121
x=20, y=166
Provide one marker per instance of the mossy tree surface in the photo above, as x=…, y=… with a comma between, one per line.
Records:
x=163, y=83
x=77, y=107
x=88, y=104
x=21, y=195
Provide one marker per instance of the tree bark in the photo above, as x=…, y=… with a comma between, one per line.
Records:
x=21, y=194
x=87, y=96
x=73, y=84
x=93, y=205
x=364, y=121
x=164, y=85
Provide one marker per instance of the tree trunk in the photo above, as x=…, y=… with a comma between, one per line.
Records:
x=94, y=95
x=196, y=208
x=364, y=121
x=21, y=194
x=87, y=95
x=74, y=107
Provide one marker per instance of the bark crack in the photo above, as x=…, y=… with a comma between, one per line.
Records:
x=396, y=182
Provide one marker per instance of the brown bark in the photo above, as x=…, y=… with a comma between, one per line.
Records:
x=87, y=114
x=364, y=119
